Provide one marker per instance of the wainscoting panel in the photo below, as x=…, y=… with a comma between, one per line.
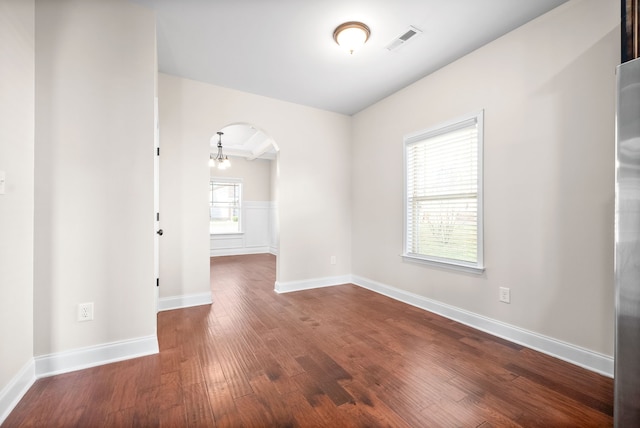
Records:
x=259, y=219
x=256, y=224
x=274, y=228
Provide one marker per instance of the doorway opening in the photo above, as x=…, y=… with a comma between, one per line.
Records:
x=243, y=195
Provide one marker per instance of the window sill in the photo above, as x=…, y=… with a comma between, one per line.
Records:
x=442, y=264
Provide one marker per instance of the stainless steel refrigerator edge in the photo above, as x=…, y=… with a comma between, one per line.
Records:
x=627, y=247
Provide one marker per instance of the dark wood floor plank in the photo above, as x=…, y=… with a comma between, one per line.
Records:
x=493, y=415
x=287, y=362
x=332, y=357
x=426, y=384
x=233, y=367
x=328, y=364
x=147, y=407
x=120, y=418
x=324, y=408
x=253, y=413
x=548, y=382
x=324, y=381
x=221, y=401
x=558, y=408
x=483, y=398
x=172, y=392
x=304, y=415
x=370, y=409
x=169, y=417
x=267, y=394
x=197, y=407
x=449, y=414
x=563, y=373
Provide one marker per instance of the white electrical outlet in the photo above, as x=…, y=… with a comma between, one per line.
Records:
x=505, y=295
x=333, y=260
x=85, y=311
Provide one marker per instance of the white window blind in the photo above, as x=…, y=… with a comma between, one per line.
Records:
x=443, y=194
x=225, y=199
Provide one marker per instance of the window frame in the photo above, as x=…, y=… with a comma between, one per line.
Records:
x=478, y=267
x=226, y=180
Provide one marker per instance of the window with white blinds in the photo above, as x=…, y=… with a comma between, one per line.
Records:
x=444, y=194
x=225, y=209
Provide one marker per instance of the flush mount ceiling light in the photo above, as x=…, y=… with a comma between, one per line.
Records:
x=351, y=35
x=219, y=160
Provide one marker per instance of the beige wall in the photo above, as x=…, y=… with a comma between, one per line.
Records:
x=313, y=198
x=547, y=90
x=94, y=172
x=16, y=205
x=255, y=175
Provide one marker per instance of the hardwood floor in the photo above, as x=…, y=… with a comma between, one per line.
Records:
x=334, y=357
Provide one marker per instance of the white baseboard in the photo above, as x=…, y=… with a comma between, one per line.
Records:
x=184, y=301
x=238, y=251
x=585, y=358
x=243, y=251
x=78, y=359
x=13, y=392
x=291, y=286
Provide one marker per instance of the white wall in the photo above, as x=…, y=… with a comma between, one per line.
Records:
x=255, y=175
x=313, y=203
x=548, y=91
x=94, y=173
x=16, y=205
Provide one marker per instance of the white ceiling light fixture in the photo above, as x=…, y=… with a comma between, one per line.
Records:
x=351, y=35
x=219, y=160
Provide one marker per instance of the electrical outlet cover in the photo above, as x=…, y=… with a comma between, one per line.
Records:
x=505, y=295
x=85, y=312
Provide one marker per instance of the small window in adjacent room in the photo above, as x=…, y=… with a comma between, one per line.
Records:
x=225, y=199
x=443, y=195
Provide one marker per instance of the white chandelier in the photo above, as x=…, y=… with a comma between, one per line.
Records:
x=219, y=160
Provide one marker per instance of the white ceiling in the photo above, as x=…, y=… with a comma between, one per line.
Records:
x=245, y=140
x=284, y=49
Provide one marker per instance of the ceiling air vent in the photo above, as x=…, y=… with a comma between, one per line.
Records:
x=404, y=38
